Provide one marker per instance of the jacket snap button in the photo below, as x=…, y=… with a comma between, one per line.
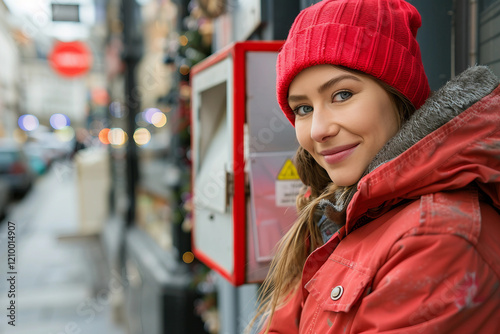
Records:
x=337, y=292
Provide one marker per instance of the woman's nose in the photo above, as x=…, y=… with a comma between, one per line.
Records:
x=323, y=125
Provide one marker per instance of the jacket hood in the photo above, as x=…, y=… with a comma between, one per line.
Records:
x=451, y=141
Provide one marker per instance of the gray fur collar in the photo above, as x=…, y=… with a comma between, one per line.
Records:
x=448, y=102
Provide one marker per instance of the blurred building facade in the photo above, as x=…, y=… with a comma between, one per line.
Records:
x=9, y=76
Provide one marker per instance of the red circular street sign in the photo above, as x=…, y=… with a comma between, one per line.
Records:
x=70, y=59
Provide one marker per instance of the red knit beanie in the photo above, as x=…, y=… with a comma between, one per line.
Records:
x=377, y=37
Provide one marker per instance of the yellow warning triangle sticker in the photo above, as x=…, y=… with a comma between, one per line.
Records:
x=288, y=171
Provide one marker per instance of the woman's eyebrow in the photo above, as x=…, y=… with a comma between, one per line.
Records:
x=296, y=98
x=336, y=80
x=325, y=86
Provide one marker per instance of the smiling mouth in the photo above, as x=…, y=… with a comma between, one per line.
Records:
x=338, y=154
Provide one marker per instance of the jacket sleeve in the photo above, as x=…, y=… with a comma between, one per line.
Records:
x=286, y=319
x=431, y=284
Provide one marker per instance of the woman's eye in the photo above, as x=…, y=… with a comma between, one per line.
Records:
x=342, y=96
x=302, y=110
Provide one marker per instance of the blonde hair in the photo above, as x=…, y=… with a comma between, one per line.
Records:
x=304, y=236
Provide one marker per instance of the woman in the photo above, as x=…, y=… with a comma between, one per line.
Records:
x=399, y=225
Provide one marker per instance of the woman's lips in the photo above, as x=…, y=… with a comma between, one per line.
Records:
x=338, y=154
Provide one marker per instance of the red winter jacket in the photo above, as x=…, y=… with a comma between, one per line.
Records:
x=427, y=257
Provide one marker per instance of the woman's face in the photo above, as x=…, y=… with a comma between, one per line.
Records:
x=342, y=119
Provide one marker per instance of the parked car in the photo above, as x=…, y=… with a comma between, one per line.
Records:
x=15, y=168
x=4, y=198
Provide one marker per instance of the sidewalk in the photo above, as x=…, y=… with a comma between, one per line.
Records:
x=61, y=278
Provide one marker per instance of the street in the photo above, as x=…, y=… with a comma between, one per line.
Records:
x=52, y=277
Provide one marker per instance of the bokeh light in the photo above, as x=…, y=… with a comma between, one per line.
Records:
x=100, y=96
x=185, y=91
x=28, y=122
x=104, y=136
x=117, y=137
x=183, y=40
x=142, y=136
x=159, y=119
x=188, y=257
x=65, y=134
x=148, y=114
x=59, y=121
x=184, y=69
